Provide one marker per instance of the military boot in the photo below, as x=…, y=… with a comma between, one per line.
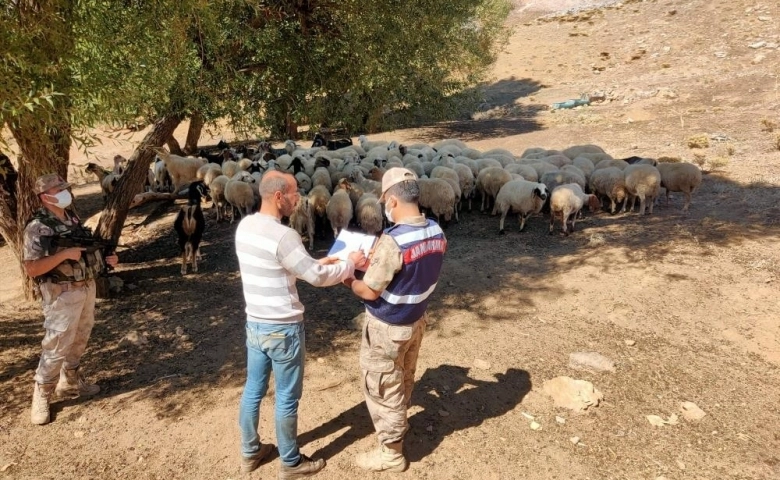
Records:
x=40, y=403
x=386, y=458
x=72, y=385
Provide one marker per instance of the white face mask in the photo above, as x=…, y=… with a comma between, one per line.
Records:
x=388, y=214
x=64, y=199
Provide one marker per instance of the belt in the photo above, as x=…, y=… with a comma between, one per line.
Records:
x=65, y=286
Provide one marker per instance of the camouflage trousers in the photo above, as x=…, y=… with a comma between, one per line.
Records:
x=388, y=360
x=69, y=314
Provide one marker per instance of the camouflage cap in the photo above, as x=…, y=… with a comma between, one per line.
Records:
x=49, y=181
x=395, y=176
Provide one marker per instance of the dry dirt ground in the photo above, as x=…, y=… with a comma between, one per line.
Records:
x=696, y=293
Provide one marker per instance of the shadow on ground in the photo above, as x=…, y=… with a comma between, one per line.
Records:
x=439, y=389
x=207, y=308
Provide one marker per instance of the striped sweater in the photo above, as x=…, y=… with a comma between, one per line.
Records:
x=271, y=257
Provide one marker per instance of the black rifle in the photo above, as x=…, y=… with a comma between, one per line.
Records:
x=88, y=243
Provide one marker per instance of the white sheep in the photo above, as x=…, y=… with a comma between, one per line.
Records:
x=240, y=194
x=595, y=157
x=230, y=168
x=204, y=170
x=304, y=182
x=680, y=177
x=366, y=184
x=449, y=141
x=471, y=153
x=217, y=192
x=543, y=167
x=318, y=204
x=211, y=174
x=553, y=179
x=438, y=197
x=416, y=167
x=469, y=162
x=525, y=171
x=557, y=160
x=621, y=164
x=369, y=214
x=610, y=183
x=585, y=164
x=339, y=209
x=367, y=145
x=489, y=182
x=183, y=170
x=576, y=150
x=522, y=197
x=453, y=179
x=566, y=201
x=504, y=160
x=302, y=220
x=487, y=162
x=321, y=175
x=644, y=182
x=576, y=171
x=467, y=182
x=532, y=151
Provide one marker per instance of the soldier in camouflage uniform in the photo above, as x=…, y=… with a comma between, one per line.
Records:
x=402, y=274
x=66, y=280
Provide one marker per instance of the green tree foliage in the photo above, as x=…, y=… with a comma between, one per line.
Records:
x=261, y=66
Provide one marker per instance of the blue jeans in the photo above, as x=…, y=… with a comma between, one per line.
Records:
x=281, y=348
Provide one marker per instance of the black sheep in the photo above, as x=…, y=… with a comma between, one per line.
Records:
x=189, y=225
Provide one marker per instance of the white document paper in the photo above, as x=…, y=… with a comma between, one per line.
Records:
x=348, y=242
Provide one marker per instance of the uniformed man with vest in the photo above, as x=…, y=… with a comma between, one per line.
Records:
x=66, y=279
x=402, y=274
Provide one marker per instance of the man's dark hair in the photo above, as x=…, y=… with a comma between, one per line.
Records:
x=407, y=191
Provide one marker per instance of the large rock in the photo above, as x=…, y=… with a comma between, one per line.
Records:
x=577, y=395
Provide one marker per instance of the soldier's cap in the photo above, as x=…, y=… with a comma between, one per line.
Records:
x=395, y=176
x=49, y=181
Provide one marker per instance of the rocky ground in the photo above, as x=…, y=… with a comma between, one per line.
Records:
x=685, y=306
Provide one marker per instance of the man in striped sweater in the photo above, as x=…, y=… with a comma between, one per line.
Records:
x=403, y=271
x=271, y=257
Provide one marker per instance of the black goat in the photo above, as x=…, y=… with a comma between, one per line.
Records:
x=189, y=225
x=320, y=141
x=218, y=158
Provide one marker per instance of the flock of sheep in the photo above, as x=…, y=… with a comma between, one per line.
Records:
x=343, y=185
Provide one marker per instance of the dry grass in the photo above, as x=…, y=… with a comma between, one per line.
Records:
x=717, y=163
x=669, y=160
x=768, y=125
x=699, y=158
x=698, y=141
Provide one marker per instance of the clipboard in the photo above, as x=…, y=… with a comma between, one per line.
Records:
x=348, y=242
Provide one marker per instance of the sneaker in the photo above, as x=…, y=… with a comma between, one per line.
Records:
x=250, y=464
x=306, y=467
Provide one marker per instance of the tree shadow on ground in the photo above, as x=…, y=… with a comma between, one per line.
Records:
x=444, y=388
x=494, y=114
x=208, y=307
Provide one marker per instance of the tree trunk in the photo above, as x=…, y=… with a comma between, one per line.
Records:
x=193, y=133
x=173, y=146
x=113, y=217
x=45, y=148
